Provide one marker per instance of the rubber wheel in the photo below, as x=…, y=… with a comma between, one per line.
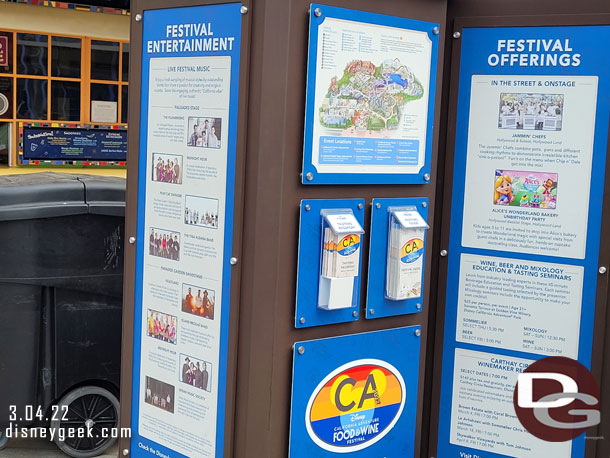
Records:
x=3, y=440
x=88, y=407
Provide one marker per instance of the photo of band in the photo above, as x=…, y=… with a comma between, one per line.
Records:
x=201, y=211
x=159, y=394
x=164, y=244
x=204, y=132
x=167, y=168
x=162, y=326
x=198, y=301
x=196, y=372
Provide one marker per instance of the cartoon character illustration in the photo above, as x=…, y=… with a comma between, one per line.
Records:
x=535, y=201
x=503, y=194
x=549, y=185
x=552, y=203
x=524, y=202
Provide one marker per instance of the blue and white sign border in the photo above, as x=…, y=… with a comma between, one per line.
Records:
x=310, y=174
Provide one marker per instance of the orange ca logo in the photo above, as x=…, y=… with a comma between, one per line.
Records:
x=412, y=250
x=348, y=244
x=355, y=406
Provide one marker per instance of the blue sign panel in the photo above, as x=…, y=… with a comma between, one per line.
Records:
x=355, y=395
x=528, y=183
x=186, y=186
x=370, y=98
x=59, y=144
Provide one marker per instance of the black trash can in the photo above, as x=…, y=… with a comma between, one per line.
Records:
x=61, y=280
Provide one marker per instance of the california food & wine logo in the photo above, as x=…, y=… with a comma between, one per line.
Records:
x=355, y=405
x=412, y=250
x=348, y=244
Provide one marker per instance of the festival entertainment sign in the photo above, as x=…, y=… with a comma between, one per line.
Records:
x=186, y=181
x=528, y=183
x=370, y=98
x=355, y=395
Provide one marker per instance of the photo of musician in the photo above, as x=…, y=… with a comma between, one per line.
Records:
x=162, y=326
x=164, y=244
x=167, y=168
x=196, y=372
x=201, y=211
x=204, y=132
x=159, y=394
x=198, y=301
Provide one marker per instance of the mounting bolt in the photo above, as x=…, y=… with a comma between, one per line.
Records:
x=377, y=205
x=138, y=18
x=424, y=204
x=418, y=306
x=602, y=270
x=436, y=30
x=243, y=10
x=132, y=240
x=125, y=451
x=360, y=206
x=427, y=176
x=372, y=311
x=301, y=350
x=457, y=34
x=355, y=314
x=309, y=176
x=302, y=320
x=307, y=207
x=443, y=253
x=317, y=12
x=233, y=260
x=417, y=332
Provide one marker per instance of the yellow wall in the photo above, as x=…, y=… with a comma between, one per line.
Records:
x=17, y=16
x=30, y=18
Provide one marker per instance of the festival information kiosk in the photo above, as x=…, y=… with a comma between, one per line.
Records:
x=306, y=276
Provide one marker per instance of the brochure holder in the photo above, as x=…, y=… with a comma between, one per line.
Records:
x=340, y=258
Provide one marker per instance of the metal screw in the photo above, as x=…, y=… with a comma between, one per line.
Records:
x=125, y=451
x=424, y=204
x=307, y=207
x=427, y=176
x=443, y=253
x=309, y=176
x=377, y=205
x=602, y=270
x=243, y=10
x=233, y=260
x=372, y=311
x=138, y=19
x=436, y=30
x=355, y=314
x=302, y=320
x=132, y=240
x=317, y=12
x=301, y=350
x=417, y=332
x=457, y=34
x=360, y=206
x=418, y=306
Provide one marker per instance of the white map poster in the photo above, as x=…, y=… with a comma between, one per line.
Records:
x=371, y=98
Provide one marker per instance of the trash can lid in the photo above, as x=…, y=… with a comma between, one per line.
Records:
x=52, y=194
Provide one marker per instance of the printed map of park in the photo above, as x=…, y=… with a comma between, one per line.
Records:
x=369, y=97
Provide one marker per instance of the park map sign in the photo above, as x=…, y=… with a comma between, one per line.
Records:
x=370, y=80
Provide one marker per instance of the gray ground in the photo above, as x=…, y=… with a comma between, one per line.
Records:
x=38, y=448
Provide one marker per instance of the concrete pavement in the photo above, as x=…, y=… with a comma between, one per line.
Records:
x=39, y=448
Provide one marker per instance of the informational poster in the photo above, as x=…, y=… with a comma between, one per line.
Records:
x=52, y=143
x=186, y=187
x=102, y=111
x=526, y=202
x=360, y=401
x=370, y=97
x=530, y=145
